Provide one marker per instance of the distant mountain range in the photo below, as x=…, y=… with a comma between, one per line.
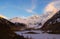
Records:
x=31, y=22
x=35, y=20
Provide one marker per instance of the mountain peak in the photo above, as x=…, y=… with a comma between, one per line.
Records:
x=1, y=16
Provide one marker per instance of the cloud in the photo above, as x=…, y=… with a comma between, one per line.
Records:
x=57, y=4
x=53, y=6
x=51, y=9
x=30, y=10
x=34, y=4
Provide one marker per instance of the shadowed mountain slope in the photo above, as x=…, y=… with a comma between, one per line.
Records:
x=6, y=32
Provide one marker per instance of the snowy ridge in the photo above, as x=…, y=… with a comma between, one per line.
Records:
x=35, y=20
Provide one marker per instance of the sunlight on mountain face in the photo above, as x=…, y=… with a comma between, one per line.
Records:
x=52, y=8
x=1, y=16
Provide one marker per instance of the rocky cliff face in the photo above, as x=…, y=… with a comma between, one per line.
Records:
x=53, y=24
x=6, y=32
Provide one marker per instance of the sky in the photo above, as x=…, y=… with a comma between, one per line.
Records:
x=22, y=8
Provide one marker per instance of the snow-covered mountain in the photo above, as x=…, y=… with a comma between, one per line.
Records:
x=49, y=11
x=53, y=24
x=19, y=20
x=31, y=21
x=34, y=21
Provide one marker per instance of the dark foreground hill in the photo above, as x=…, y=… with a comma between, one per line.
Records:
x=6, y=32
x=53, y=24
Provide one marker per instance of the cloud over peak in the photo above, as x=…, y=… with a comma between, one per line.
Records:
x=50, y=7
